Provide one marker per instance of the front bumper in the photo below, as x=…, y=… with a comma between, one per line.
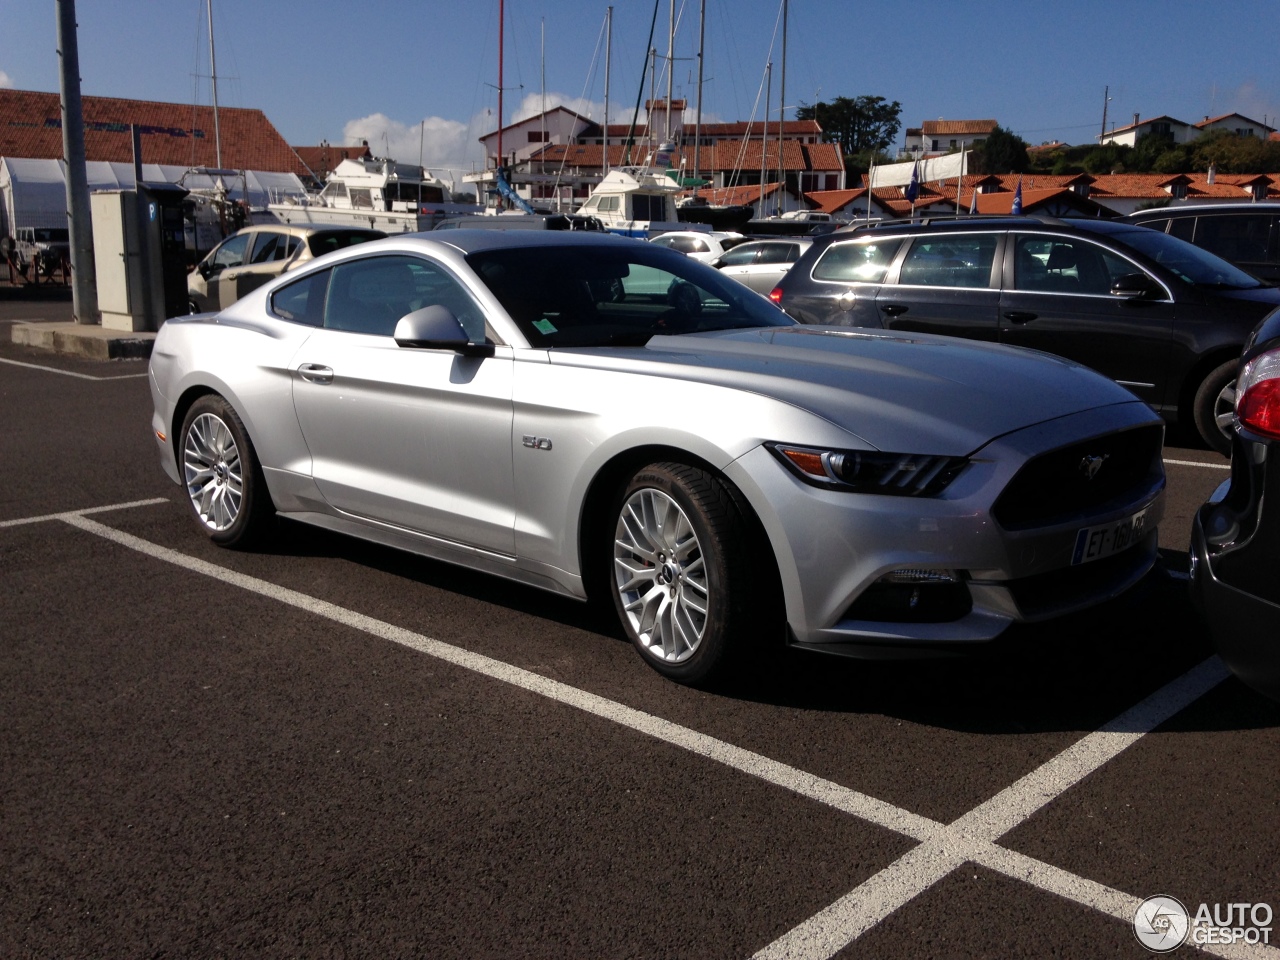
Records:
x=833, y=546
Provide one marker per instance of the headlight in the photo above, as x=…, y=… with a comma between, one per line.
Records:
x=863, y=471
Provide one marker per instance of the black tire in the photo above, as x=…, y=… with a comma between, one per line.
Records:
x=223, y=479
x=666, y=567
x=1214, y=406
x=192, y=307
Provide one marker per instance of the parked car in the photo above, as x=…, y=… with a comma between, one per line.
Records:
x=1246, y=234
x=704, y=246
x=714, y=472
x=1235, y=543
x=760, y=264
x=250, y=257
x=42, y=250
x=1158, y=315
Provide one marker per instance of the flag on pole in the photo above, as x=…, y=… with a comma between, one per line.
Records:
x=973, y=205
x=913, y=188
x=1016, y=209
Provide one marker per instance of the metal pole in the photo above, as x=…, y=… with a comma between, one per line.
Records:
x=764, y=134
x=671, y=62
x=608, y=54
x=697, y=122
x=782, y=113
x=84, y=281
x=501, y=20
x=213, y=70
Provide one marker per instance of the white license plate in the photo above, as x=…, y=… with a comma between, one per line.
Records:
x=1094, y=543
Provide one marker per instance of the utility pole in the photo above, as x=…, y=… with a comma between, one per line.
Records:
x=84, y=283
x=1105, y=100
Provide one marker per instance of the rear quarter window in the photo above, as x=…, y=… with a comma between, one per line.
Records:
x=303, y=300
x=856, y=262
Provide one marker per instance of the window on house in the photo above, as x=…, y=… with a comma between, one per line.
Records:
x=538, y=136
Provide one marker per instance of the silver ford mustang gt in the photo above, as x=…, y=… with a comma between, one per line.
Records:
x=602, y=417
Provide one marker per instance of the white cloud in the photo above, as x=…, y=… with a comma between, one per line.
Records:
x=449, y=148
x=6, y=81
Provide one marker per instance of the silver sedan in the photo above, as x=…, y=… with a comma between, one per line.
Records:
x=603, y=418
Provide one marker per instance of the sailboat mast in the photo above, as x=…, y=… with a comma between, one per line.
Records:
x=782, y=113
x=501, y=20
x=608, y=54
x=697, y=122
x=764, y=134
x=213, y=70
x=671, y=61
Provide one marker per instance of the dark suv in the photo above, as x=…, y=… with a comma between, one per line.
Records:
x=1156, y=314
x=1247, y=234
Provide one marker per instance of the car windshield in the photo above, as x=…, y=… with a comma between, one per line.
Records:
x=587, y=296
x=1189, y=262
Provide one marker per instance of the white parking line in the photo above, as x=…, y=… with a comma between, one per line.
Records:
x=942, y=848
x=1197, y=463
x=70, y=373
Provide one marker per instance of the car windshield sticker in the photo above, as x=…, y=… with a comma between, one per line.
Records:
x=545, y=326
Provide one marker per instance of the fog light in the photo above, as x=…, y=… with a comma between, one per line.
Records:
x=914, y=595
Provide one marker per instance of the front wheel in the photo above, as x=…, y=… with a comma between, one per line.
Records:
x=221, y=473
x=1215, y=407
x=680, y=581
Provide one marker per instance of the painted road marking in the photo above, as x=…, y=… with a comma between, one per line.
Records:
x=1197, y=463
x=70, y=373
x=942, y=847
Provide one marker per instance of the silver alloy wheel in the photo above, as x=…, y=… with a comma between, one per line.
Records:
x=1224, y=408
x=211, y=465
x=660, y=575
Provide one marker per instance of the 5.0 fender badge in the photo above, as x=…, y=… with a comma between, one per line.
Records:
x=536, y=443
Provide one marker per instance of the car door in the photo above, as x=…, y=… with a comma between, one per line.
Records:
x=268, y=257
x=417, y=439
x=946, y=283
x=1057, y=298
x=773, y=260
x=737, y=262
x=839, y=283
x=227, y=256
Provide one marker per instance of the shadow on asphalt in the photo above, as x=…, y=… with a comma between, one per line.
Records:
x=1075, y=673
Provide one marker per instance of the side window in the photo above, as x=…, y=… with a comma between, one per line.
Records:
x=1162, y=226
x=303, y=301
x=740, y=256
x=1184, y=228
x=1061, y=265
x=962, y=260
x=231, y=253
x=777, y=253
x=371, y=295
x=856, y=262
x=267, y=247
x=1240, y=238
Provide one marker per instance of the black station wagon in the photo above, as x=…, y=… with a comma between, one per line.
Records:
x=1158, y=315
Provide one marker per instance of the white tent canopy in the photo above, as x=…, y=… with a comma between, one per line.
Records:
x=33, y=192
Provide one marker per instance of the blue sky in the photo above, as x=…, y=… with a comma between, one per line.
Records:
x=401, y=73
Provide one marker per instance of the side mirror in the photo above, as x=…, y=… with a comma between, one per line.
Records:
x=436, y=328
x=1135, y=286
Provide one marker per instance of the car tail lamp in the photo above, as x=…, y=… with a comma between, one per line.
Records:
x=1258, y=395
x=776, y=295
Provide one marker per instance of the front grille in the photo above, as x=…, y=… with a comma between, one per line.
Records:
x=1056, y=487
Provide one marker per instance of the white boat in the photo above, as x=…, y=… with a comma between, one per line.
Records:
x=636, y=202
x=377, y=193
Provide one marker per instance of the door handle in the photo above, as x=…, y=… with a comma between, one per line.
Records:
x=230, y=276
x=894, y=309
x=316, y=373
x=1019, y=317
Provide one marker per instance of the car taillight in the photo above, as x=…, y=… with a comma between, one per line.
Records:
x=1258, y=395
x=776, y=295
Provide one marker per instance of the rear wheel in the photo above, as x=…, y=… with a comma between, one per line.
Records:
x=220, y=470
x=681, y=581
x=1215, y=407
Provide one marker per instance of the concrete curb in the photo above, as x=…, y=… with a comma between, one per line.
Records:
x=85, y=340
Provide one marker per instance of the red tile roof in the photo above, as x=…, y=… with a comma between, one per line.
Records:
x=829, y=201
x=180, y=134
x=953, y=128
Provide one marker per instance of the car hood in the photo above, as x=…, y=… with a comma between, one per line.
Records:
x=902, y=393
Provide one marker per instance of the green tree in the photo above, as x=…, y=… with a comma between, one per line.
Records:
x=857, y=124
x=1002, y=152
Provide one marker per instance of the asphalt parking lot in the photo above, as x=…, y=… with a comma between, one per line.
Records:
x=329, y=749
